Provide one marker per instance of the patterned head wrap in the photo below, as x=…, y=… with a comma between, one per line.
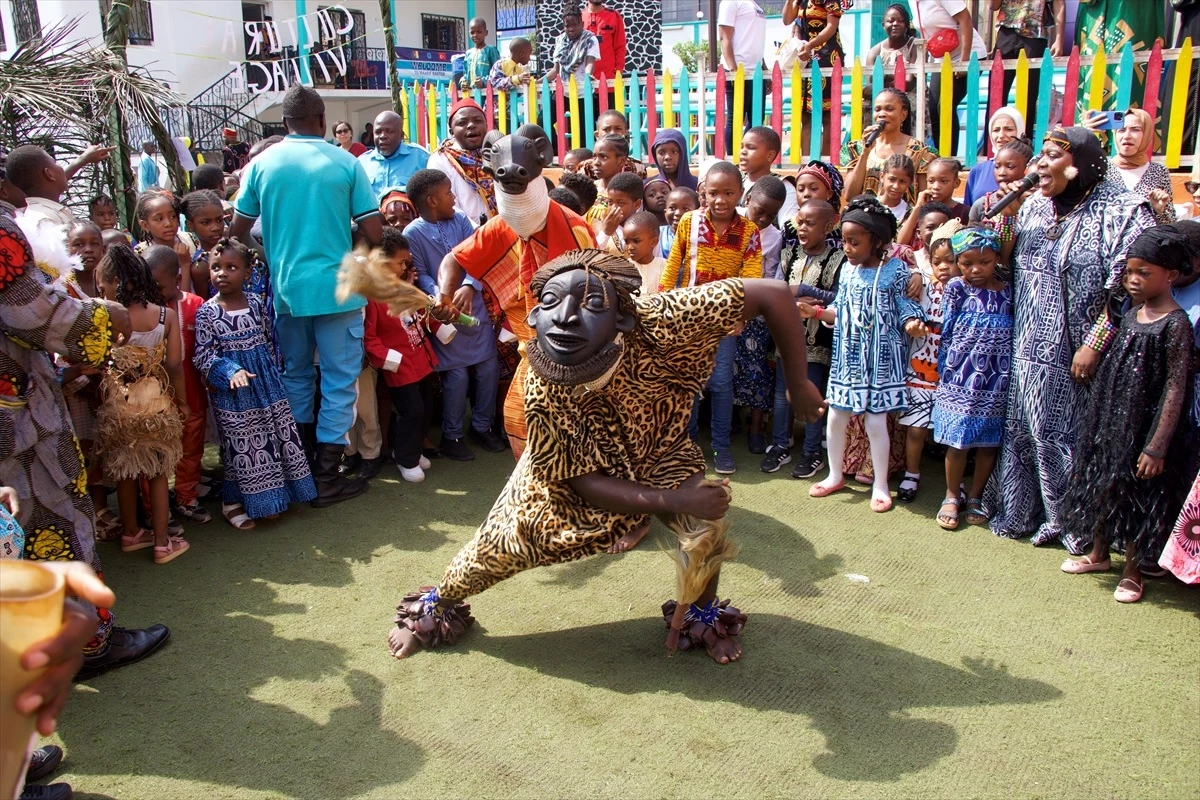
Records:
x=1085, y=151
x=867, y=212
x=974, y=239
x=1165, y=246
x=829, y=177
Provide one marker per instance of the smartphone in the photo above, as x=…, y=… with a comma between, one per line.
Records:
x=1113, y=121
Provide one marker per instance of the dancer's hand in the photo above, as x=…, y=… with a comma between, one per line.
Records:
x=706, y=500
x=445, y=311
x=1149, y=466
x=118, y=318
x=62, y=654
x=241, y=379
x=810, y=404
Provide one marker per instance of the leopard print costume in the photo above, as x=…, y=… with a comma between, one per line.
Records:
x=634, y=428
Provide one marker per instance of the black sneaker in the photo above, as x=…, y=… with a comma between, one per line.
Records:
x=808, y=465
x=43, y=761
x=50, y=791
x=456, y=450
x=487, y=440
x=775, y=458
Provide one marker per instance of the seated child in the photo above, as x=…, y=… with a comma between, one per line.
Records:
x=655, y=201
x=565, y=197
x=575, y=158
x=921, y=379
x=641, y=247
x=265, y=466
x=680, y=201
x=898, y=174
x=941, y=179
x=512, y=73
x=669, y=153
x=399, y=348
x=164, y=268
x=625, y=195
x=583, y=187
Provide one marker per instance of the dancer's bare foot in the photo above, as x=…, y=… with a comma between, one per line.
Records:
x=403, y=642
x=725, y=650
x=629, y=540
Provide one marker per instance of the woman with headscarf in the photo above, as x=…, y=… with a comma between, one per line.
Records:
x=1069, y=252
x=1133, y=168
x=893, y=117
x=1005, y=125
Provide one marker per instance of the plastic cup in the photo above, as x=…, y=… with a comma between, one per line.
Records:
x=31, y=611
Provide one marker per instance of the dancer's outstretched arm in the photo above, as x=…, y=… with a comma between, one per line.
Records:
x=706, y=500
x=773, y=301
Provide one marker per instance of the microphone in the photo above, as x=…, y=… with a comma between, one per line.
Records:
x=870, y=138
x=1028, y=182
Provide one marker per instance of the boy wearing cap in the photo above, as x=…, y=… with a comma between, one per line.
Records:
x=235, y=153
x=461, y=158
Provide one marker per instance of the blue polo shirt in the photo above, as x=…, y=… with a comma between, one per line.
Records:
x=307, y=191
x=392, y=172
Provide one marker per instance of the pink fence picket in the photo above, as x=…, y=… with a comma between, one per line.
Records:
x=719, y=150
x=651, y=99
x=560, y=118
x=1071, y=90
x=996, y=97
x=777, y=106
x=422, y=121
x=901, y=76
x=489, y=109
x=835, y=111
x=1154, y=73
x=602, y=87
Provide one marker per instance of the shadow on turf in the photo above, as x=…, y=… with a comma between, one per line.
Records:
x=866, y=698
x=761, y=539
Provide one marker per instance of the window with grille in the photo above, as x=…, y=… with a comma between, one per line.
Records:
x=26, y=22
x=516, y=15
x=443, y=33
x=141, y=21
x=677, y=12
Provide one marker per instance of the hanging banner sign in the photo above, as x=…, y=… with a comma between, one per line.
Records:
x=327, y=32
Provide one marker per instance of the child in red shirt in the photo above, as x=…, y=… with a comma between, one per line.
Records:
x=164, y=267
x=399, y=348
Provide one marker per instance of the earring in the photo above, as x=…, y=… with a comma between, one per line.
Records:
x=1072, y=172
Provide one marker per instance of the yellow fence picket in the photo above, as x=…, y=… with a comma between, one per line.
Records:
x=739, y=110
x=1179, y=97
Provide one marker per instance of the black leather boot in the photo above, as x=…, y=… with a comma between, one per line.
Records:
x=332, y=487
x=308, y=439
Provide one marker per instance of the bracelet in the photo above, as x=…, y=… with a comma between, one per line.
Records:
x=820, y=309
x=1152, y=453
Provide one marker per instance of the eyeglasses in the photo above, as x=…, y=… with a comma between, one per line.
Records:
x=1191, y=186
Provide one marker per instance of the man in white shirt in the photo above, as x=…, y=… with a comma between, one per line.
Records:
x=742, y=33
x=934, y=16
x=461, y=158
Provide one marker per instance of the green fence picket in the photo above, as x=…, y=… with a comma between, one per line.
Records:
x=972, y=125
x=1045, y=91
x=756, y=107
x=685, y=109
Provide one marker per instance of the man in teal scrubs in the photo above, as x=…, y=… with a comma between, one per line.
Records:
x=308, y=192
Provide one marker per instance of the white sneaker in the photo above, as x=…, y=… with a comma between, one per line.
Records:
x=414, y=475
x=424, y=463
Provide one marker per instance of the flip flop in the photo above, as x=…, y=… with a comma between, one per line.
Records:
x=1127, y=595
x=1080, y=566
x=948, y=521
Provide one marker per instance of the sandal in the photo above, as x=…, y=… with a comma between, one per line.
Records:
x=139, y=541
x=236, y=516
x=1079, y=566
x=1123, y=594
x=908, y=489
x=174, y=527
x=975, y=513
x=948, y=520
x=174, y=548
x=108, y=526
x=195, y=512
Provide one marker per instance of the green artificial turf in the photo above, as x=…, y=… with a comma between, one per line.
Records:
x=884, y=658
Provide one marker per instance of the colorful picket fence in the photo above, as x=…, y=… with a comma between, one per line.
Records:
x=697, y=104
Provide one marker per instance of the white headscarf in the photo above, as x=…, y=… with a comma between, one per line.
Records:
x=1011, y=113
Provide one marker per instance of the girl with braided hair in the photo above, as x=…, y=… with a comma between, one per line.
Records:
x=265, y=466
x=140, y=430
x=870, y=314
x=157, y=212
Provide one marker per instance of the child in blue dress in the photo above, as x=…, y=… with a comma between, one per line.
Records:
x=265, y=467
x=871, y=314
x=973, y=362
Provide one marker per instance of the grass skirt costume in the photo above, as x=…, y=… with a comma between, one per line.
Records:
x=265, y=467
x=538, y=519
x=1138, y=404
x=140, y=432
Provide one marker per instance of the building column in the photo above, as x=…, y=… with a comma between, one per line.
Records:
x=301, y=41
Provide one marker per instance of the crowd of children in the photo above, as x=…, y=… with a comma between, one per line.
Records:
x=907, y=303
